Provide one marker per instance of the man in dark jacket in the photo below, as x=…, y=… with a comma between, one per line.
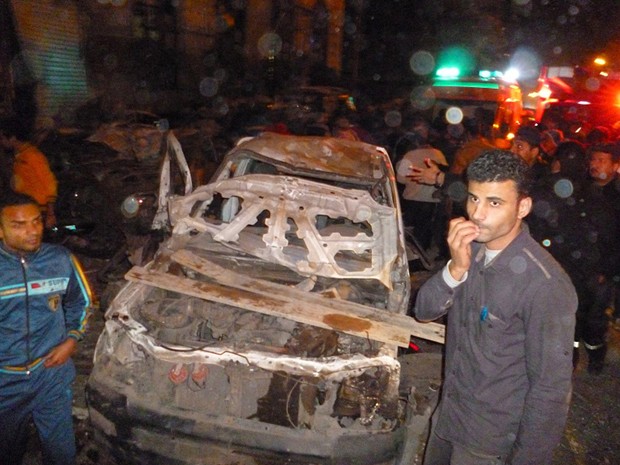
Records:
x=511, y=318
x=44, y=305
x=574, y=222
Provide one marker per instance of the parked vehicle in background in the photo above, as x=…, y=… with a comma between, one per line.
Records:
x=266, y=328
x=456, y=98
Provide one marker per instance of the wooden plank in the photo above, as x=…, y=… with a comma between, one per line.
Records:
x=302, y=312
x=430, y=331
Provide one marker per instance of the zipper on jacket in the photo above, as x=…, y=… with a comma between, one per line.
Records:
x=24, y=265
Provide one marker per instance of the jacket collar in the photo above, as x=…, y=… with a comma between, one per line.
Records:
x=504, y=258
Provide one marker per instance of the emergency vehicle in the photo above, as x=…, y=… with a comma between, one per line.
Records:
x=457, y=98
x=577, y=97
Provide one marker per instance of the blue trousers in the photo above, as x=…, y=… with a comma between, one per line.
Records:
x=45, y=396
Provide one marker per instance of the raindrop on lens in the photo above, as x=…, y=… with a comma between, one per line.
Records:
x=220, y=74
x=209, y=87
x=269, y=45
x=393, y=119
x=593, y=84
x=518, y=265
x=454, y=115
x=130, y=207
x=422, y=63
x=563, y=188
x=422, y=98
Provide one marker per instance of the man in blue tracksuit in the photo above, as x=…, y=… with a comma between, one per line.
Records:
x=44, y=305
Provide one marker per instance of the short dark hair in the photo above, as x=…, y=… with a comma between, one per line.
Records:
x=612, y=149
x=11, y=198
x=498, y=166
x=529, y=134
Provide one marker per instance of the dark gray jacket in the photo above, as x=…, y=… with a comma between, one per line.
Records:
x=509, y=345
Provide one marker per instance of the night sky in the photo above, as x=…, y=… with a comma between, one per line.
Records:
x=558, y=32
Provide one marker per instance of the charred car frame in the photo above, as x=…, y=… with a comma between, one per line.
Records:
x=267, y=327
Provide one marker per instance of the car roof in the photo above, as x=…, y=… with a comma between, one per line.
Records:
x=341, y=157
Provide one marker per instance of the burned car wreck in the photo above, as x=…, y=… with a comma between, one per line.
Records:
x=266, y=329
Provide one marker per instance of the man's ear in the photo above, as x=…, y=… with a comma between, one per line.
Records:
x=524, y=208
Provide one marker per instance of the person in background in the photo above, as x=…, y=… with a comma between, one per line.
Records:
x=31, y=174
x=598, y=135
x=511, y=321
x=478, y=129
x=549, y=141
x=419, y=201
x=604, y=166
x=44, y=307
x=526, y=144
x=577, y=226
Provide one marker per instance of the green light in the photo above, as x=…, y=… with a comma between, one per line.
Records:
x=485, y=73
x=472, y=85
x=455, y=58
x=448, y=72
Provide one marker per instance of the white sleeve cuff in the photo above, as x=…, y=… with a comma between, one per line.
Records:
x=447, y=277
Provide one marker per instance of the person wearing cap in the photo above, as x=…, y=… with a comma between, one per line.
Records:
x=549, y=141
x=526, y=144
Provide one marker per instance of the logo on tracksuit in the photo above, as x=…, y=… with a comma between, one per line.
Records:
x=53, y=302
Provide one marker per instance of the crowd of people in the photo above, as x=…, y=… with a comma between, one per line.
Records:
x=460, y=195
x=575, y=214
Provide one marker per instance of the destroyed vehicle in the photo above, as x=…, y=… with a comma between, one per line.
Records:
x=266, y=328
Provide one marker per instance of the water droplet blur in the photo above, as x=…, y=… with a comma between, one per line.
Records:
x=563, y=188
x=518, y=265
x=562, y=19
x=546, y=242
x=376, y=77
x=422, y=63
x=527, y=62
x=209, y=87
x=220, y=74
x=573, y=10
x=350, y=28
x=393, y=119
x=557, y=50
x=422, y=97
x=454, y=115
x=270, y=45
x=593, y=84
x=457, y=191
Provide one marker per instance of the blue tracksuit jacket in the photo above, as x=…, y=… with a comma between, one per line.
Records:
x=44, y=298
